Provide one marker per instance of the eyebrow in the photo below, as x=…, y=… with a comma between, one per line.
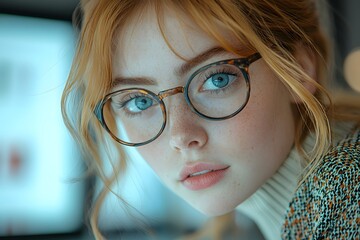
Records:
x=132, y=81
x=202, y=57
x=182, y=70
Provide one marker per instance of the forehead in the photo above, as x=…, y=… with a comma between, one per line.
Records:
x=182, y=35
x=143, y=49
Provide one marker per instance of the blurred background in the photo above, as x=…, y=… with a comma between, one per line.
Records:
x=43, y=194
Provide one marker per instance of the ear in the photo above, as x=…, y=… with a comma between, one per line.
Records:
x=307, y=60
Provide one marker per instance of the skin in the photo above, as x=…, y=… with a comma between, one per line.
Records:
x=254, y=143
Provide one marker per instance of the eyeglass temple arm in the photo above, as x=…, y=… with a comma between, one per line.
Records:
x=253, y=58
x=98, y=113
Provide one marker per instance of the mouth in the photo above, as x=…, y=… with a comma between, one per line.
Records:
x=202, y=175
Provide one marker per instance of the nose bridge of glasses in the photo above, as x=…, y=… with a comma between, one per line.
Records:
x=170, y=92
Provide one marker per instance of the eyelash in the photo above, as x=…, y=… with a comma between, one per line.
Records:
x=222, y=70
x=218, y=71
x=126, y=100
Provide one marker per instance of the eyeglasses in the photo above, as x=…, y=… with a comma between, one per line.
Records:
x=137, y=116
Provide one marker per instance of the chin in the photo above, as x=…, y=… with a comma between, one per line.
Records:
x=213, y=210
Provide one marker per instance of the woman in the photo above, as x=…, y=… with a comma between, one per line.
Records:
x=222, y=99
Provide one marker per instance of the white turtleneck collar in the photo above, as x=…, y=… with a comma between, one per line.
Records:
x=267, y=206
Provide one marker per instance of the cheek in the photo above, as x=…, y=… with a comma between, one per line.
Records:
x=263, y=133
x=153, y=154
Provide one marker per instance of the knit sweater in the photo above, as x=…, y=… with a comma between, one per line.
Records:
x=327, y=204
x=269, y=206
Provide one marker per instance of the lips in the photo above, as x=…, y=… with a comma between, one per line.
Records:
x=202, y=175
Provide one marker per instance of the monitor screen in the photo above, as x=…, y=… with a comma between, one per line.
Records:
x=38, y=159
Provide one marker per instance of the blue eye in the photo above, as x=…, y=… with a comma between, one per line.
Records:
x=143, y=103
x=138, y=104
x=218, y=81
x=133, y=103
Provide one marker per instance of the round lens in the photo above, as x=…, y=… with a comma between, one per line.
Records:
x=134, y=116
x=219, y=91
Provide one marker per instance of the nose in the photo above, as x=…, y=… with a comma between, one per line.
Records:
x=186, y=129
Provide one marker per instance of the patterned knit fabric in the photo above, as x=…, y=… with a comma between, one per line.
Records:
x=327, y=204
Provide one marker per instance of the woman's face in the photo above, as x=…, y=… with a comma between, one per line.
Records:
x=213, y=165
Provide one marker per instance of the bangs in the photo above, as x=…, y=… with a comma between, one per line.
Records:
x=214, y=25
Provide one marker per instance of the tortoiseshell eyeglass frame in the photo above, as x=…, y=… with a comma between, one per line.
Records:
x=242, y=63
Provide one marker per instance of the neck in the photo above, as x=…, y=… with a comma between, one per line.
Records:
x=267, y=206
